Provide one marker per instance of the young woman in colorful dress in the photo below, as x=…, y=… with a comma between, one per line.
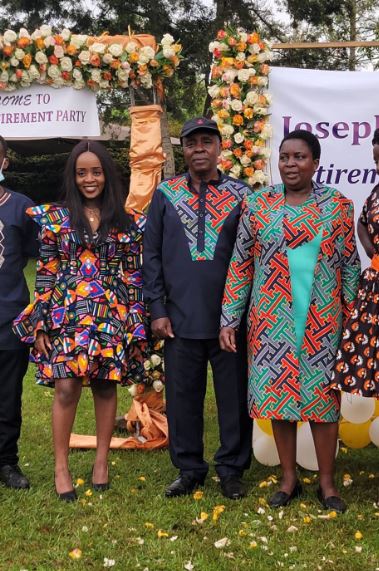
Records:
x=296, y=266
x=357, y=367
x=86, y=321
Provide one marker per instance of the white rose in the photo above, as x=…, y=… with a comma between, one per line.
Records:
x=84, y=56
x=156, y=360
x=78, y=84
x=66, y=64
x=9, y=36
x=167, y=40
x=40, y=58
x=268, y=97
x=78, y=40
x=122, y=75
x=254, y=48
x=146, y=81
x=23, y=33
x=19, y=54
x=131, y=47
x=147, y=365
x=49, y=41
x=262, y=81
x=251, y=98
x=227, y=130
x=214, y=91
x=142, y=59
x=229, y=75
x=36, y=34
x=244, y=74
x=262, y=57
x=261, y=110
x=224, y=47
x=226, y=103
x=125, y=65
x=148, y=52
x=77, y=74
x=245, y=160
x=96, y=75
x=235, y=171
x=115, y=50
x=243, y=36
x=238, y=138
x=240, y=56
x=13, y=78
x=45, y=30
x=33, y=72
x=4, y=76
x=97, y=47
x=214, y=46
x=58, y=52
x=104, y=84
x=258, y=177
x=14, y=61
x=133, y=390
x=1, y=43
x=107, y=58
x=226, y=154
x=158, y=386
x=53, y=71
x=168, y=52
x=265, y=152
x=25, y=79
x=58, y=82
x=236, y=105
x=66, y=34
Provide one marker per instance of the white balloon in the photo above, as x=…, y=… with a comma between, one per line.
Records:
x=357, y=409
x=305, y=448
x=264, y=449
x=374, y=431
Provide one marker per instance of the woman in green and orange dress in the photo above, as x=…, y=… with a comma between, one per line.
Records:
x=295, y=265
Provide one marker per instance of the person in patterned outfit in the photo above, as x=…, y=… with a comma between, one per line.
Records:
x=357, y=370
x=18, y=242
x=295, y=264
x=86, y=320
x=190, y=233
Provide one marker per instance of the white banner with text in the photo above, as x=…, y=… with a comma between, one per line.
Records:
x=41, y=111
x=342, y=109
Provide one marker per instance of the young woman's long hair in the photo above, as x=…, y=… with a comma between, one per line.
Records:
x=113, y=215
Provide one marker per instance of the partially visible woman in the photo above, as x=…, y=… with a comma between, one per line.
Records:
x=357, y=367
x=87, y=313
x=296, y=266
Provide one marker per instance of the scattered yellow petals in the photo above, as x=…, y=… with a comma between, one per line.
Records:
x=242, y=533
x=307, y=519
x=217, y=511
x=142, y=478
x=343, y=449
x=161, y=533
x=88, y=493
x=307, y=481
x=203, y=516
x=358, y=535
x=332, y=515
x=75, y=553
x=303, y=506
x=79, y=482
x=263, y=484
x=149, y=525
x=198, y=495
x=263, y=502
x=371, y=476
x=253, y=544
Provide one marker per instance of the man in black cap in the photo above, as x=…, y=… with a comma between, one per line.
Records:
x=189, y=238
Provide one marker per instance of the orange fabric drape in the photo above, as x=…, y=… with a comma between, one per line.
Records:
x=146, y=155
x=139, y=39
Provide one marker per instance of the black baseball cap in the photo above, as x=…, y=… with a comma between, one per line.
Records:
x=197, y=124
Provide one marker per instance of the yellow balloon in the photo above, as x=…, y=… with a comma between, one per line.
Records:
x=376, y=411
x=355, y=435
x=265, y=425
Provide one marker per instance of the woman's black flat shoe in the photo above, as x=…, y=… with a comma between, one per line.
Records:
x=68, y=496
x=99, y=487
x=334, y=503
x=281, y=499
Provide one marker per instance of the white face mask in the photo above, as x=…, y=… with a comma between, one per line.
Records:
x=2, y=177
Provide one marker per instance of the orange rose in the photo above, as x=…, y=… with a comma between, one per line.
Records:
x=167, y=71
x=224, y=91
x=253, y=38
x=248, y=143
x=235, y=90
x=133, y=57
x=154, y=63
x=8, y=50
x=226, y=164
x=19, y=73
x=237, y=153
x=223, y=114
x=258, y=126
x=248, y=112
x=238, y=64
x=142, y=69
x=221, y=34
x=248, y=171
x=226, y=143
x=249, y=153
x=232, y=41
x=227, y=62
x=216, y=103
x=264, y=69
x=238, y=120
x=71, y=50
x=216, y=72
x=78, y=63
x=175, y=60
x=59, y=40
x=107, y=75
x=115, y=64
x=259, y=164
x=95, y=60
x=253, y=80
x=241, y=46
x=262, y=100
x=40, y=43
x=23, y=42
x=140, y=389
x=27, y=61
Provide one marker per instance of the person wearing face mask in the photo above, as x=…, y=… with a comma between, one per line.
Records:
x=295, y=264
x=18, y=242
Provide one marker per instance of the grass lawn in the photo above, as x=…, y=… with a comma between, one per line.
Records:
x=134, y=525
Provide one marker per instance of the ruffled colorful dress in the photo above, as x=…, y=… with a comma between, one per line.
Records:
x=357, y=366
x=88, y=299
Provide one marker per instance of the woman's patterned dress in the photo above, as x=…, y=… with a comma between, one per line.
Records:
x=88, y=299
x=291, y=355
x=357, y=367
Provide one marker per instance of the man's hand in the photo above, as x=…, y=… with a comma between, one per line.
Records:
x=42, y=343
x=227, y=339
x=161, y=328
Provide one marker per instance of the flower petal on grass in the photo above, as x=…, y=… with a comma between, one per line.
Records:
x=188, y=566
x=109, y=562
x=292, y=529
x=221, y=543
x=149, y=525
x=75, y=553
x=161, y=534
x=198, y=495
x=358, y=535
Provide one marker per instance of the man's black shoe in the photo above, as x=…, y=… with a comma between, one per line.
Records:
x=232, y=487
x=182, y=486
x=12, y=477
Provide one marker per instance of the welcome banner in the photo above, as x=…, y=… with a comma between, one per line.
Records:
x=40, y=111
x=342, y=109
